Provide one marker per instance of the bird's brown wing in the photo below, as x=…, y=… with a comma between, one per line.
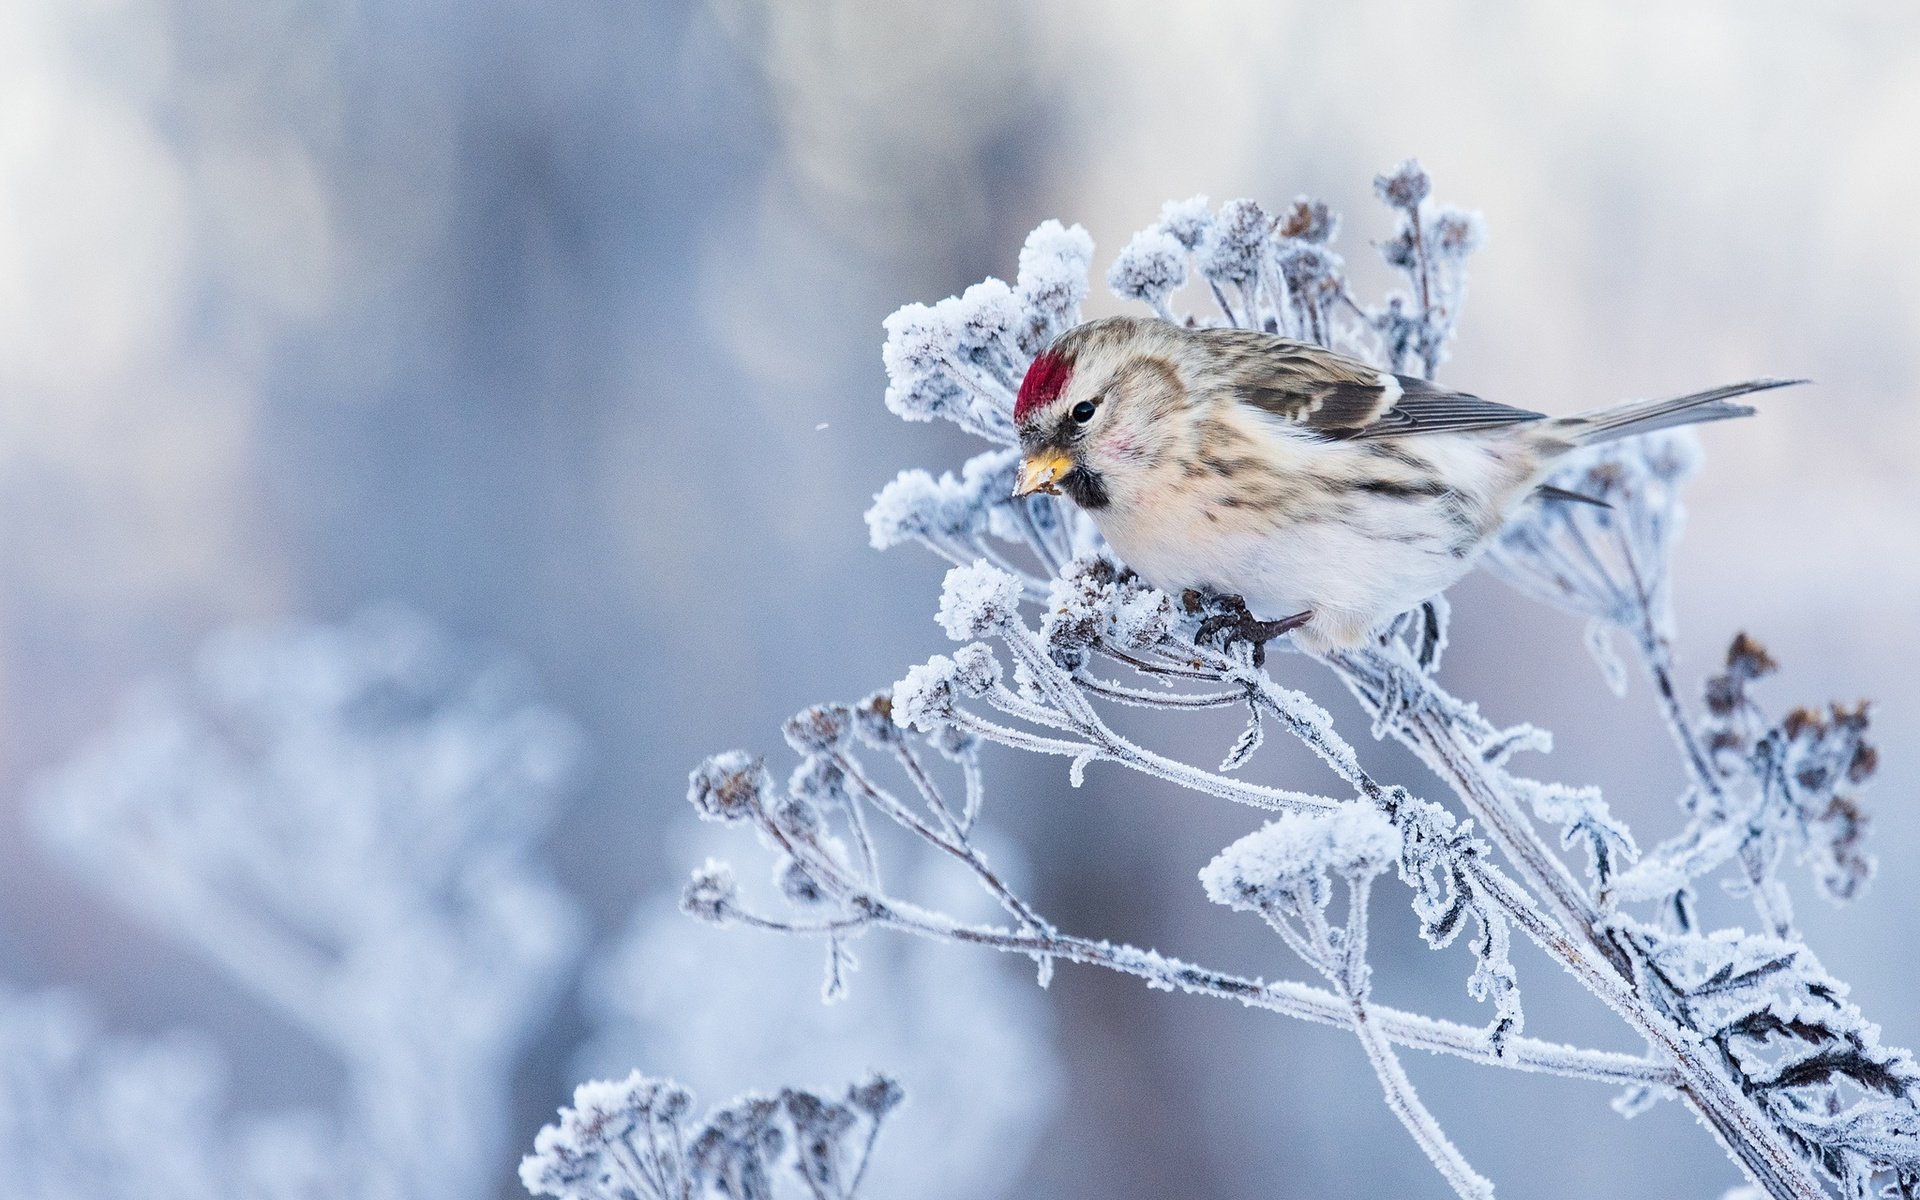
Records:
x=1341, y=397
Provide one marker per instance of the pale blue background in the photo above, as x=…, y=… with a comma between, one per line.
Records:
x=526, y=315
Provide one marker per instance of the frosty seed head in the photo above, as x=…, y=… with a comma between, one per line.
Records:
x=818, y=728
x=1053, y=274
x=1404, y=187
x=1290, y=855
x=1309, y=220
x=877, y=1095
x=1239, y=240
x=1151, y=268
x=1189, y=221
x=873, y=721
x=728, y=786
x=978, y=600
x=923, y=699
x=1458, y=233
x=712, y=893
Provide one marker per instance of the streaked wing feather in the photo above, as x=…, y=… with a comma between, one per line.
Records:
x=1547, y=491
x=1343, y=398
x=1425, y=408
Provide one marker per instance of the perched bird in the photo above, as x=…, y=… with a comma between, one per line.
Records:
x=1327, y=494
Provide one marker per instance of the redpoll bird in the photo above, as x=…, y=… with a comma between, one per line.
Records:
x=1326, y=493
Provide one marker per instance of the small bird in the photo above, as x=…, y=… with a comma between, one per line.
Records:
x=1326, y=494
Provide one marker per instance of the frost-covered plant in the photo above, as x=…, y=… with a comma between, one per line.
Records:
x=631, y=1141
x=87, y=1116
x=965, y=1032
x=345, y=821
x=1744, y=1027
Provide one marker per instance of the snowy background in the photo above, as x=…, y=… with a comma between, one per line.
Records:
x=527, y=319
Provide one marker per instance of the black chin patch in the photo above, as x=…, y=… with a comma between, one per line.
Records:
x=1087, y=489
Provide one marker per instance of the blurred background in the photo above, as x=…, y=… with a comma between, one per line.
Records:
x=558, y=326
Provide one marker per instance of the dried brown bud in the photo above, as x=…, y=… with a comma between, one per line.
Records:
x=1309, y=221
x=1865, y=761
x=1748, y=659
x=1404, y=187
x=728, y=787
x=1803, y=722
x=873, y=721
x=1848, y=867
x=1853, y=720
x=876, y=1096
x=818, y=728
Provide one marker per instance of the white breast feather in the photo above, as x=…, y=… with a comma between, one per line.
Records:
x=1313, y=542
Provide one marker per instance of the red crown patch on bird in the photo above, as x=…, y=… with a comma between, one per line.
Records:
x=1045, y=380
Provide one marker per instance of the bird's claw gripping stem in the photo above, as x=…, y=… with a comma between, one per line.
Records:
x=1230, y=622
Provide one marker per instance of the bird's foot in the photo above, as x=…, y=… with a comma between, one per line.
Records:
x=1424, y=630
x=1230, y=622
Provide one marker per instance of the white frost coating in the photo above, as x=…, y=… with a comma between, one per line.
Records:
x=975, y=669
x=915, y=357
x=373, y=790
x=987, y=317
x=1357, y=839
x=1606, y=563
x=1404, y=187
x=959, y=359
x=1744, y=1028
x=1150, y=269
x=89, y=1115
x=1141, y=618
x=903, y=510
x=1600, y=646
x=952, y=516
x=967, y=1034
x=1053, y=277
x=978, y=600
x=1087, y=602
x=923, y=699
x=632, y=1139
x=711, y=893
x=1238, y=243
x=1188, y=221
x=1458, y=233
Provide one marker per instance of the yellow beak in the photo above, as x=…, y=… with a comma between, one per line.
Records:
x=1041, y=472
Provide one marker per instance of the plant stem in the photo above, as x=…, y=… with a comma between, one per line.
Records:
x=1575, y=940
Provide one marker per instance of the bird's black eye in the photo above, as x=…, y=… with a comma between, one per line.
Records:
x=1083, y=411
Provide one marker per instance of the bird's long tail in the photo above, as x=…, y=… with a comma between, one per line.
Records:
x=1645, y=416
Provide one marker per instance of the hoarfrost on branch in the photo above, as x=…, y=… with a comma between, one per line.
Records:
x=1741, y=1025
x=345, y=821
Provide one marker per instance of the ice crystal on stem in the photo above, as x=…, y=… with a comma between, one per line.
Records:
x=1744, y=1027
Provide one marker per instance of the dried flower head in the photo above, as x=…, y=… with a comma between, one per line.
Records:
x=1310, y=220
x=1150, y=269
x=923, y=699
x=818, y=728
x=1404, y=187
x=978, y=600
x=1189, y=221
x=1239, y=240
x=729, y=786
x=873, y=721
x=712, y=893
x=1291, y=856
x=1458, y=233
